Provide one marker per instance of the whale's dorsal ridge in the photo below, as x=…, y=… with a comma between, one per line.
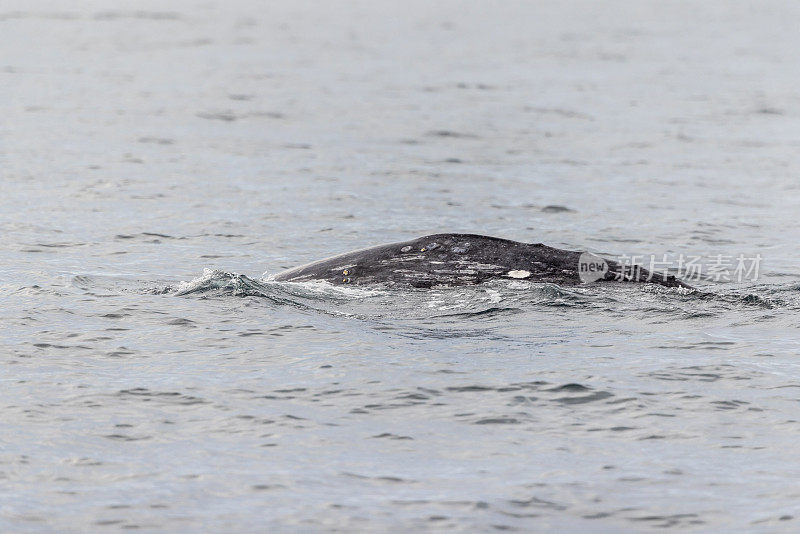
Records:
x=455, y=259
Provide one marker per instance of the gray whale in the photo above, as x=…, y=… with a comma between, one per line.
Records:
x=463, y=259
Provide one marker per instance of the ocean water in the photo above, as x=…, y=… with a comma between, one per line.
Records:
x=160, y=161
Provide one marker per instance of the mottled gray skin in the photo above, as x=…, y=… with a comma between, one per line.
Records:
x=460, y=259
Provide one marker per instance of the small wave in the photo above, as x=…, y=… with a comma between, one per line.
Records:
x=222, y=282
x=742, y=299
x=323, y=290
x=318, y=296
x=489, y=312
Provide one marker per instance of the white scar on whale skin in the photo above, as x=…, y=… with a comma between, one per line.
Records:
x=519, y=274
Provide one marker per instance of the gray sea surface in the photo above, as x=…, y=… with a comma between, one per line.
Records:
x=159, y=161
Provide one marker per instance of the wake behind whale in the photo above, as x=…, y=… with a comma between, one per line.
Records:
x=466, y=259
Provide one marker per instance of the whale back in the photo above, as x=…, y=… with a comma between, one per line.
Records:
x=459, y=259
x=442, y=259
